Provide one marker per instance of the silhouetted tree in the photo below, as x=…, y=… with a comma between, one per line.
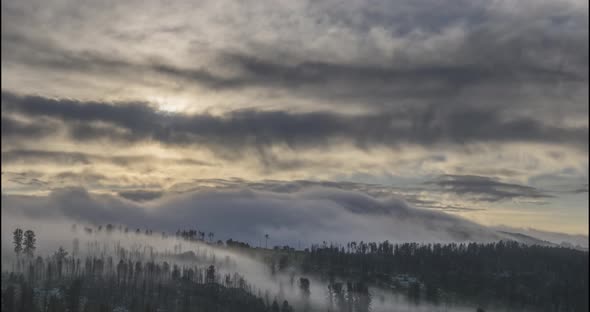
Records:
x=29, y=243
x=275, y=307
x=18, y=241
x=210, y=275
x=8, y=299
x=60, y=256
x=73, y=295
x=286, y=307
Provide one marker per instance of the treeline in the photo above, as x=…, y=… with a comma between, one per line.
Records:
x=124, y=280
x=62, y=283
x=520, y=276
x=110, y=277
x=104, y=294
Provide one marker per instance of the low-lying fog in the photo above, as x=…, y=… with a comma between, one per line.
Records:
x=297, y=219
x=54, y=234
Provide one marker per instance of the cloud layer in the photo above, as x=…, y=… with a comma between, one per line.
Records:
x=132, y=122
x=478, y=108
x=305, y=216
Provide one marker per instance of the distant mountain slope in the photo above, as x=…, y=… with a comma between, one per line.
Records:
x=526, y=239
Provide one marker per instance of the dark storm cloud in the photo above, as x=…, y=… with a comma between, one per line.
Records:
x=472, y=81
x=492, y=49
x=17, y=129
x=72, y=110
x=263, y=72
x=134, y=122
x=19, y=47
x=543, y=48
x=486, y=189
x=383, y=84
x=43, y=53
x=260, y=72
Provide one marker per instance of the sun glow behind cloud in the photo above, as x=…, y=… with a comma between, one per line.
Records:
x=479, y=110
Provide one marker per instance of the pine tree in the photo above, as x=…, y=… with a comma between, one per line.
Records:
x=73, y=295
x=18, y=241
x=286, y=307
x=29, y=243
x=275, y=307
x=210, y=275
x=8, y=299
x=60, y=256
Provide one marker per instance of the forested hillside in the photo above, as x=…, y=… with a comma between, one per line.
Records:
x=115, y=269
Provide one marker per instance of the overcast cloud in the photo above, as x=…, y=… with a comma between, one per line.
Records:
x=474, y=110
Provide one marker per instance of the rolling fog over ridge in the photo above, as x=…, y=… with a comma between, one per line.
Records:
x=118, y=244
x=115, y=244
x=274, y=275
x=294, y=218
x=295, y=156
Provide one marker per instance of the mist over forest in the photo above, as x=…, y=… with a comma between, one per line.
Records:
x=299, y=217
x=60, y=265
x=294, y=156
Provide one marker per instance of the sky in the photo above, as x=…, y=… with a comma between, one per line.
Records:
x=309, y=120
